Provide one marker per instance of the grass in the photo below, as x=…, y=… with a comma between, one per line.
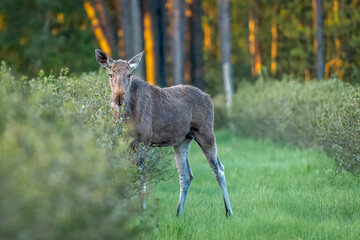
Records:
x=276, y=192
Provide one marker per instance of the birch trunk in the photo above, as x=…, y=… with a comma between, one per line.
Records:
x=225, y=47
x=178, y=41
x=196, y=47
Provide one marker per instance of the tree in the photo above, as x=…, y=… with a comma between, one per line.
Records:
x=155, y=32
x=107, y=27
x=196, y=45
x=254, y=44
x=225, y=47
x=273, y=41
x=137, y=31
x=178, y=41
x=320, y=64
x=124, y=22
x=46, y=35
x=130, y=17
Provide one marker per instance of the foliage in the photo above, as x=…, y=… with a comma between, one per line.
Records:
x=276, y=192
x=320, y=114
x=41, y=34
x=66, y=171
x=220, y=113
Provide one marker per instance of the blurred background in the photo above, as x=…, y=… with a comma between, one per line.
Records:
x=186, y=41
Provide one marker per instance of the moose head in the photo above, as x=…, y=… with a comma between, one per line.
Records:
x=120, y=75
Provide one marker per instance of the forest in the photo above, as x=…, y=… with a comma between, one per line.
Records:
x=186, y=41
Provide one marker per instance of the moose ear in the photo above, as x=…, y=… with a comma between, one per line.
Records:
x=134, y=62
x=103, y=59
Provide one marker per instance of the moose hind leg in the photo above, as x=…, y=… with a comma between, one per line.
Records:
x=185, y=174
x=220, y=178
x=208, y=146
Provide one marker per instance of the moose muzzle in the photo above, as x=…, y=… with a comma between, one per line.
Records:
x=118, y=97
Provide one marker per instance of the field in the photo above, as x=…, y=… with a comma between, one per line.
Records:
x=66, y=169
x=276, y=192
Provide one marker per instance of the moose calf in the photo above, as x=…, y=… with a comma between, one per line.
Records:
x=172, y=116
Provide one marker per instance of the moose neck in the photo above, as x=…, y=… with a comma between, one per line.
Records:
x=130, y=100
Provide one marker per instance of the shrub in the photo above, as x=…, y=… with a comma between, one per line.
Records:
x=66, y=172
x=317, y=114
x=221, y=116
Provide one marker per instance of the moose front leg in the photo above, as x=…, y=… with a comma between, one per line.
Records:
x=142, y=184
x=141, y=170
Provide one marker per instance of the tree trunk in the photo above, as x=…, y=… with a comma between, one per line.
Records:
x=136, y=20
x=107, y=27
x=98, y=32
x=157, y=13
x=162, y=24
x=126, y=22
x=120, y=31
x=320, y=64
x=130, y=17
x=225, y=46
x=274, y=37
x=137, y=34
x=178, y=41
x=254, y=45
x=149, y=43
x=187, y=43
x=196, y=47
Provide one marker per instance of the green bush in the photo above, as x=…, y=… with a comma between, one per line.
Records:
x=317, y=114
x=66, y=172
x=220, y=113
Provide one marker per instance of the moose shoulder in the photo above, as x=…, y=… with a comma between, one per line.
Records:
x=172, y=116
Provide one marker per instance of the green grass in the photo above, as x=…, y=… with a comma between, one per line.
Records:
x=276, y=192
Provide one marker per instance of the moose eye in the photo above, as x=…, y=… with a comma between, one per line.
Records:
x=128, y=76
x=110, y=75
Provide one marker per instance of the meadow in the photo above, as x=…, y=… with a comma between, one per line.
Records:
x=277, y=192
x=66, y=170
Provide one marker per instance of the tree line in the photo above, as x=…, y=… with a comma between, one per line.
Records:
x=199, y=42
x=170, y=32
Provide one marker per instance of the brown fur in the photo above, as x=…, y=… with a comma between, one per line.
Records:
x=171, y=116
x=162, y=116
x=167, y=116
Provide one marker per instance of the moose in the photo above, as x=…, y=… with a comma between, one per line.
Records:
x=171, y=116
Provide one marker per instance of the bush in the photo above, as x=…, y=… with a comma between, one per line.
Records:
x=220, y=113
x=66, y=171
x=317, y=114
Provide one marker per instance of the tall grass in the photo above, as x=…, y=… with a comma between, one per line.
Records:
x=66, y=171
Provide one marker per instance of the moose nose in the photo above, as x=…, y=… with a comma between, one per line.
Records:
x=119, y=99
